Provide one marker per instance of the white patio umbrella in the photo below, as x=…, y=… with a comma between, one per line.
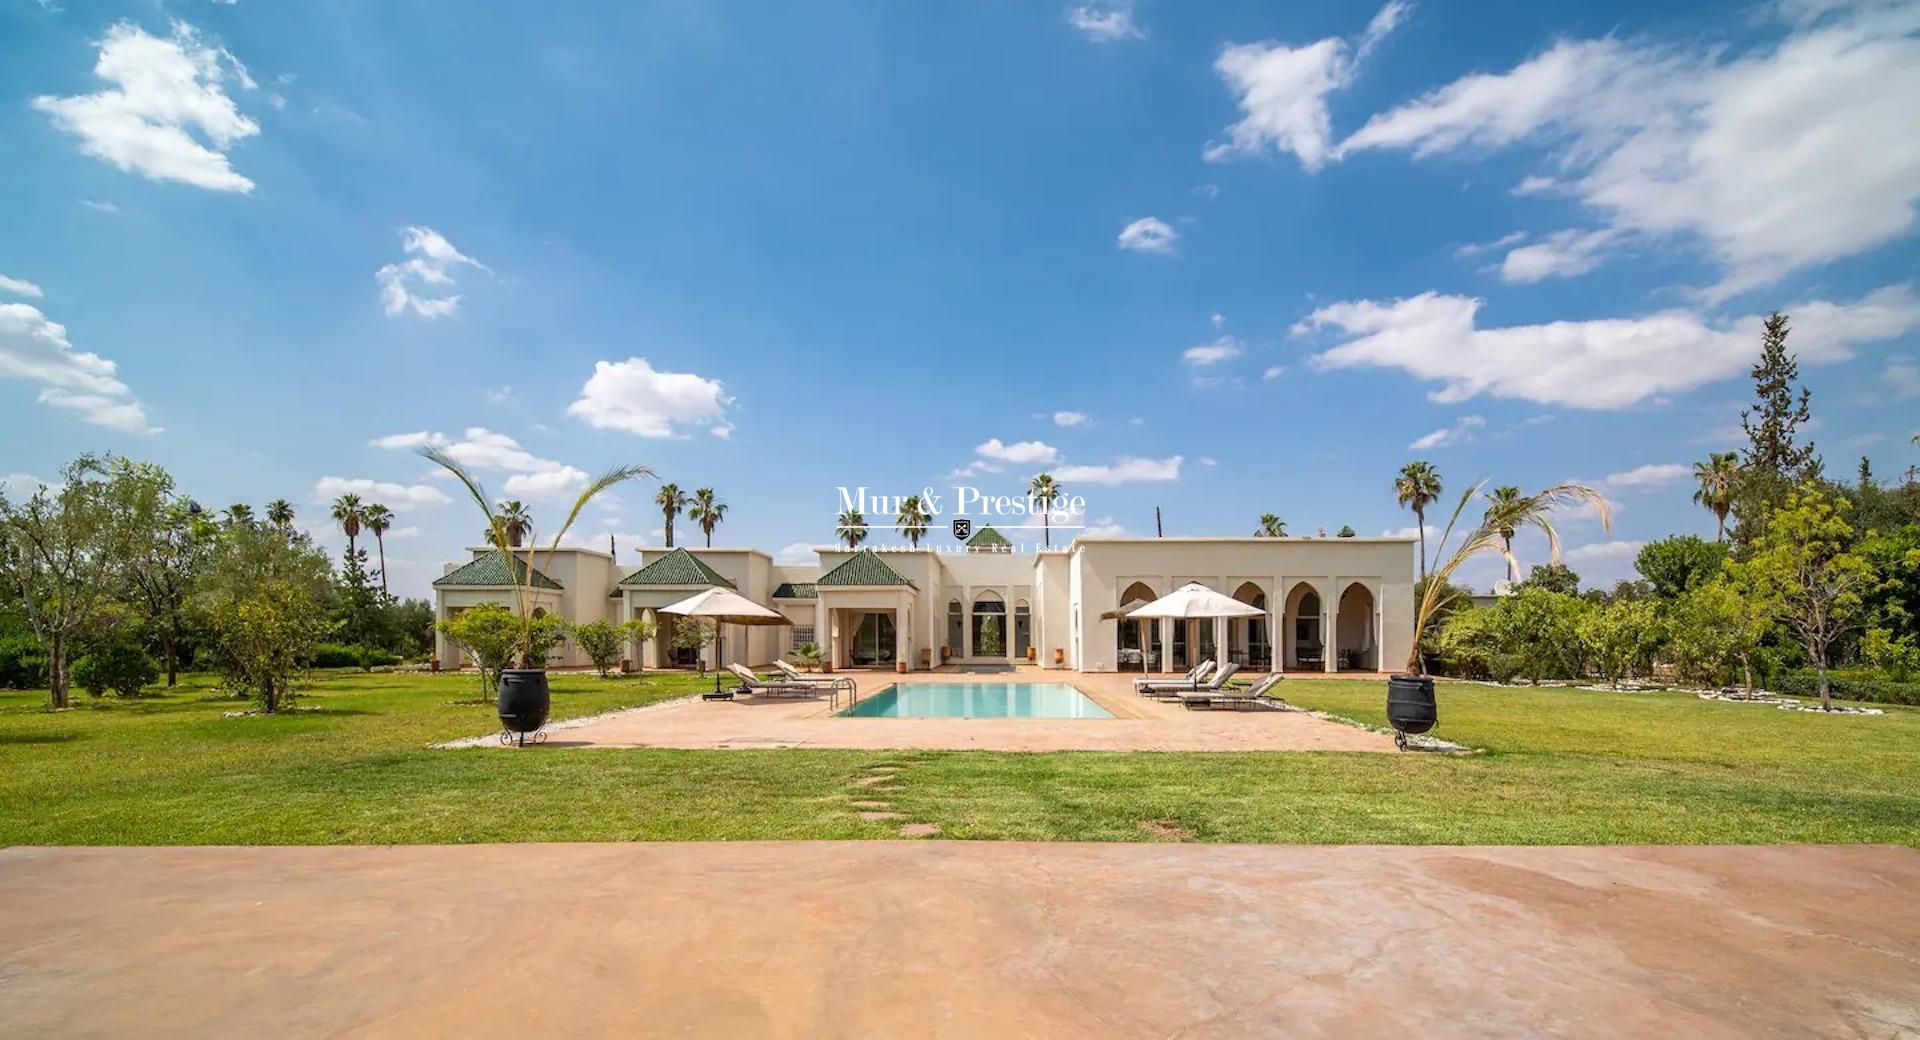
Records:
x=724, y=607
x=1192, y=601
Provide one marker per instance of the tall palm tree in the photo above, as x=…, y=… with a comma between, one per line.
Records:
x=707, y=511
x=346, y=513
x=1716, y=478
x=280, y=515
x=1416, y=487
x=671, y=502
x=1505, y=513
x=913, y=519
x=851, y=528
x=379, y=519
x=1271, y=526
x=516, y=523
x=239, y=514
x=1045, y=492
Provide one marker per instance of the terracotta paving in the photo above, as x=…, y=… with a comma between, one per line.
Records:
x=955, y=939
x=1140, y=724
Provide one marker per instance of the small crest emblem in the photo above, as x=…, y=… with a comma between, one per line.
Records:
x=963, y=529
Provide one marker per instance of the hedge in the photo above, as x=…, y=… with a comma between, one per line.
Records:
x=1847, y=686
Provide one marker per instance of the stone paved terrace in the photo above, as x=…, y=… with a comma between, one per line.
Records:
x=960, y=939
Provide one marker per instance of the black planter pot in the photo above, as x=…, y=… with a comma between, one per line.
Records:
x=524, y=700
x=1410, y=705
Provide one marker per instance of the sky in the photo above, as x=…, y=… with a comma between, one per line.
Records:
x=1223, y=258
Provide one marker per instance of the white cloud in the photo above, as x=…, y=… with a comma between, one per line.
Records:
x=633, y=396
x=564, y=482
x=1476, y=248
x=1020, y=453
x=1459, y=433
x=397, y=441
x=1601, y=551
x=1649, y=476
x=165, y=113
x=420, y=282
x=500, y=394
x=481, y=449
x=401, y=534
x=384, y=491
x=1105, y=22
x=100, y=207
x=1273, y=372
x=1208, y=461
x=1226, y=348
x=1105, y=527
x=1069, y=418
x=1597, y=364
x=1149, y=235
x=22, y=486
x=1433, y=532
x=1562, y=254
x=20, y=287
x=1282, y=90
x=1735, y=149
x=1219, y=320
x=1124, y=470
x=36, y=350
x=795, y=552
x=1901, y=378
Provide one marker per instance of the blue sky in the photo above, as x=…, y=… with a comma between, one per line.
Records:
x=1225, y=258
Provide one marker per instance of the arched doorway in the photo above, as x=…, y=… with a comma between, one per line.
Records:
x=1247, y=638
x=1022, y=629
x=1359, y=649
x=956, y=629
x=989, y=625
x=1305, y=644
x=1129, y=652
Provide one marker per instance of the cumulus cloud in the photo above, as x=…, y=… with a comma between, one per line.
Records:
x=1149, y=235
x=421, y=283
x=1019, y=453
x=1069, y=418
x=1282, y=90
x=1123, y=470
x=1105, y=22
x=20, y=287
x=563, y=482
x=1226, y=348
x=1649, y=476
x=1562, y=254
x=1732, y=148
x=483, y=450
x=1597, y=364
x=634, y=397
x=1597, y=551
x=35, y=349
x=1459, y=433
x=165, y=113
x=383, y=491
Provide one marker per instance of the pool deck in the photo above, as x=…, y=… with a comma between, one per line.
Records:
x=960, y=939
x=1139, y=723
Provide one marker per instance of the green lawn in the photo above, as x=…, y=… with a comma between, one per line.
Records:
x=1560, y=766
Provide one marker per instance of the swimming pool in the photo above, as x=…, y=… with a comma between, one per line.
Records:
x=1001, y=700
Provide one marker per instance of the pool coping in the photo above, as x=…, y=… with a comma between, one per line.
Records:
x=842, y=713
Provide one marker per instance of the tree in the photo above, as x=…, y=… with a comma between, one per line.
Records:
x=1805, y=559
x=379, y=519
x=1620, y=639
x=346, y=513
x=638, y=630
x=62, y=558
x=280, y=515
x=707, y=511
x=1674, y=565
x=264, y=601
x=117, y=663
x=1271, y=526
x=851, y=527
x=991, y=644
x=1503, y=511
x=695, y=636
x=671, y=501
x=1346, y=531
x=1778, y=413
x=516, y=523
x=1539, y=633
x=355, y=612
x=1554, y=577
x=1716, y=478
x=1436, y=593
x=1417, y=486
x=913, y=519
x=239, y=514
x=1045, y=491
x=602, y=642
x=169, y=542
x=488, y=633
x=809, y=655
x=1715, y=627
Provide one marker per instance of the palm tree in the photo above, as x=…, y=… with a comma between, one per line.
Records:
x=1716, y=477
x=851, y=528
x=1495, y=532
x=1416, y=487
x=913, y=519
x=239, y=514
x=378, y=519
x=515, y=521
x=1271, y=526
x=671, y=502
x=707, y=511
x=280, y=515
x=346, y=513
x=1045, y=492
x=1504, y=517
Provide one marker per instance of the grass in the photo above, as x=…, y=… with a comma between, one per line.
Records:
x=1559, y=766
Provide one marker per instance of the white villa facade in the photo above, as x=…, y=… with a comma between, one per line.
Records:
x=1331, y=603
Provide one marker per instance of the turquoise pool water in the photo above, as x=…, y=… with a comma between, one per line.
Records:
x=986, y=700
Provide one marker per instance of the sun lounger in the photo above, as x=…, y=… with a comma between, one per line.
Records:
x=1252, y=696
x=1194, y=677
x=777, y=688
x=832, y=682
x=1177, y=689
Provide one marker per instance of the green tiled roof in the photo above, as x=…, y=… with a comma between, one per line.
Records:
x=986, y=538
x=796, y=590
x=865, y=568
x=491, y=569
x=678, y=567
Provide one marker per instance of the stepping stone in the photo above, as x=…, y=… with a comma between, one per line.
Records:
x=919, y=830
x=873, y=817
x=871, y=805
x=869, y=781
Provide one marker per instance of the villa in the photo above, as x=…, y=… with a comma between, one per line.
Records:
x=1331, y=604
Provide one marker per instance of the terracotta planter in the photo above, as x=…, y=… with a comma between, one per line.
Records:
x=926, y=657
x=1032, y=653
x=1059, y=655
x=946, y=652
x=900, y=666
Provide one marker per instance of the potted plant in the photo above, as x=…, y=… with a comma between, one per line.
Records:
x=1059, y=655
x=945, y=653
x=926, y=657
x=1411, y=707
x=524, y=698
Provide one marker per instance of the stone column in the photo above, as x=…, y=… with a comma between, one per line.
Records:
x=650, y=647
x=1330, y=628
x=901, y=646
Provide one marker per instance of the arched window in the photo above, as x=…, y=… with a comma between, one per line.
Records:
x=1129, y=633
x=1250, y=639
x=989, y=625
x=1022, y=629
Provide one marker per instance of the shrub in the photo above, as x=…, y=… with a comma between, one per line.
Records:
x=339, y=655
x=602, y=642
x=1850, y=686
x=119, y=665
x=23, y=664
x=810, y=655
